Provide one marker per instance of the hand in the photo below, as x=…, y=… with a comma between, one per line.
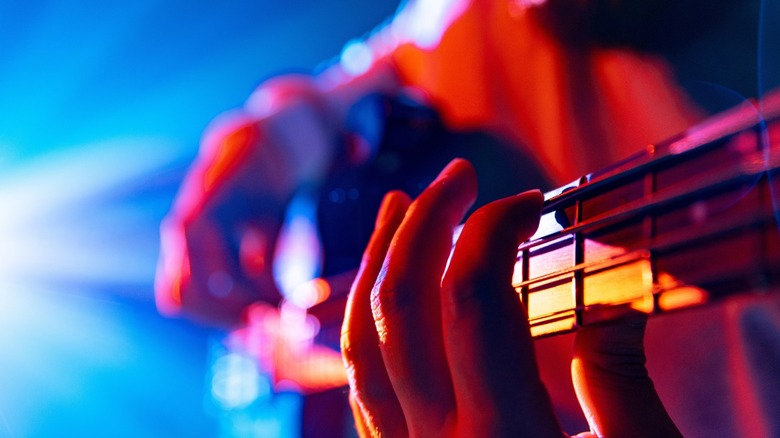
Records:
x=218, y=241
x=438, y=349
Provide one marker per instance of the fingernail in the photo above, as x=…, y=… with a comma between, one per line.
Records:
x=527, y=210
x=390, y=204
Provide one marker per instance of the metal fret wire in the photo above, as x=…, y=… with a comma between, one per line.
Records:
x=579, y=259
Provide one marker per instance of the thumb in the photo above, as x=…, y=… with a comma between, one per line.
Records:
x=612, y=383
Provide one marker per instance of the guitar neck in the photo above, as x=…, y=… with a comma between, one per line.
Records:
x=685, y=222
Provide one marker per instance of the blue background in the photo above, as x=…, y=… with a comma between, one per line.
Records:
x=102, y=105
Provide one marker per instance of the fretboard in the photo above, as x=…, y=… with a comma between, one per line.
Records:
x=683, y=223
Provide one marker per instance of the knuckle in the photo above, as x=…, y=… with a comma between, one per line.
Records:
x=350, y=350
x=466, y=285
x=457, y=294
x=389, y=306
x=364, y=389
x=388, y=300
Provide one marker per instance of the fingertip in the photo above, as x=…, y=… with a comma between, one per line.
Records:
x=454, y=166
x=458, y=178
x=495, y=230
x=452, y=193
x=517, y=216
x=393, y=208
x=528, y=209
x=532, y=201
x=534, y=197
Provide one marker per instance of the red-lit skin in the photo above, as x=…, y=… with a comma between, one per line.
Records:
x=449, y=356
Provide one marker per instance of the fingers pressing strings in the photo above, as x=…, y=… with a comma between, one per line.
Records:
x=430, y=353
x=433, y=354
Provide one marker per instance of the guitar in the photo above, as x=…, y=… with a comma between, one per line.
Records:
x=685, y=222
